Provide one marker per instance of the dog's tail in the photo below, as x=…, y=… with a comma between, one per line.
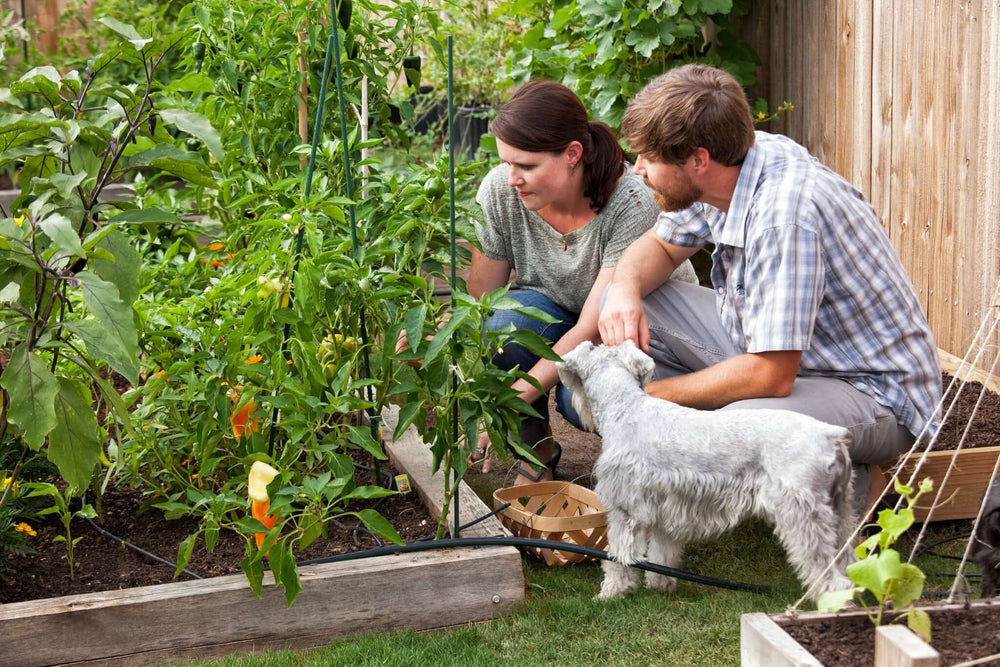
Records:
x=842, y=486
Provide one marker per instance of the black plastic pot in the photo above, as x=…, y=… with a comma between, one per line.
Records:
x=471, y=123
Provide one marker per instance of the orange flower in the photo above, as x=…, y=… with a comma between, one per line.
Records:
x=217, y=246
x=217, y=264
x=230, y=255
x=254, y=359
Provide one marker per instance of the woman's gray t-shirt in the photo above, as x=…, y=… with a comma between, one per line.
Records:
x=563, y=267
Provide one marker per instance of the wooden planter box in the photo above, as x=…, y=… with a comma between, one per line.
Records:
x=215, y=617
x=972, y=474
x=764, y=642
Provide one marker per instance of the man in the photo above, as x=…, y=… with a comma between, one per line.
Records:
x=811, y=310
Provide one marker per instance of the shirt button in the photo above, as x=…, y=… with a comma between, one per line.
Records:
x=722, y=290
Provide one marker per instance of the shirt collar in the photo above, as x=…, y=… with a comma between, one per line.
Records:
x=733, y=232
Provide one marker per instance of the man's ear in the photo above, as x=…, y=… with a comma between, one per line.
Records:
x=701, y=157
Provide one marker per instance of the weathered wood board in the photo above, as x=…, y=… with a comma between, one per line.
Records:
x=216, y=617
x=211, y=617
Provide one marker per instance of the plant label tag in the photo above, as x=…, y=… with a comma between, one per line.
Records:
x=403, y=483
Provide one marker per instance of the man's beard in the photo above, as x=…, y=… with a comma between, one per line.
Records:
x=677, y=201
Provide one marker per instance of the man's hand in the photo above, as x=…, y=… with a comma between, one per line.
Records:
x=623, y=317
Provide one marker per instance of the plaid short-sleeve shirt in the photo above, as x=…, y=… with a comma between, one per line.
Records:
x=801, y=262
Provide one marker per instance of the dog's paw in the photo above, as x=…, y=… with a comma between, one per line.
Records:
x=612, y=590
x=661, y=582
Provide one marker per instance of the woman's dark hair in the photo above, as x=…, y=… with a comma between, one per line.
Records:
x=544, y=117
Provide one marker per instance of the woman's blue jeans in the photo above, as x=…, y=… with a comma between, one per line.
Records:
x=533, y=429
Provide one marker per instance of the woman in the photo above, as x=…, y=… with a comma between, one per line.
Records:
x=559, y=212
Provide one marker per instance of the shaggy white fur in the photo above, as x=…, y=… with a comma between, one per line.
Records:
x=668, y=475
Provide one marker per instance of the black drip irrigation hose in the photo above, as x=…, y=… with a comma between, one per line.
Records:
x=425, y=544
x=544, y=544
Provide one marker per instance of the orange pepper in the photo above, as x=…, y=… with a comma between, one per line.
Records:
x=243, y=418
x=259, y=512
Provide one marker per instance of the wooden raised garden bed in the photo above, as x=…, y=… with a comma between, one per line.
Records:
x=972, y=474
x=765, y=640
x=214, y=617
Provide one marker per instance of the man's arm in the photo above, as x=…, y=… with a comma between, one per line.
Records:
x=751, y=375
x=645, y=265
x=584, y=329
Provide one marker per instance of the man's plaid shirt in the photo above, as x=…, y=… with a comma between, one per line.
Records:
x=801, y=262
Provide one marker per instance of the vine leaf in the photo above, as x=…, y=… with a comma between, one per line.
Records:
x=74, y=445
x=32, y=390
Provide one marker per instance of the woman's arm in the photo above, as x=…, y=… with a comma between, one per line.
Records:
x=486, y=274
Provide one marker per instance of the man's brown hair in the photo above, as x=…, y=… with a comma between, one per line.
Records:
x=690, y=107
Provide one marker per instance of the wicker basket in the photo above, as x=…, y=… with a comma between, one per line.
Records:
x=559, y=511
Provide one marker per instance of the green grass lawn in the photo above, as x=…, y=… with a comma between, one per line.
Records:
x=561, y=624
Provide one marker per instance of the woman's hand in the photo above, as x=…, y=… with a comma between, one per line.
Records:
x=482, y=453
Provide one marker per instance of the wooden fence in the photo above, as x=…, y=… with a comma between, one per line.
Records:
x=902, y=97
x=44, y=17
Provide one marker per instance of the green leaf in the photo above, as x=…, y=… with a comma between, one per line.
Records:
x=407, y=414
x=32, y=389
x=123, y=269
x=285, y=572
x=196, y=125
x=895, y=523
x=253, y=568
x=535, y=343
x=875, y=572
x=441, y=338
x=832, y=601
x=190, y=170
x=377, y=523
x=75, y=442
x=44, y=81
x=920, y=622
x=101, y=345
x=112, y=313
x=59, y=228
x=908, y=587
x=184, y=551
x=413, y=324
x=147, y=215
x=126, y=31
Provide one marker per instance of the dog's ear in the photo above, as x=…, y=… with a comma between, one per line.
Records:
x=638, y=363
x=569, y=367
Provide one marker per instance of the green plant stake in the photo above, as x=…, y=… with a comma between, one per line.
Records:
x=881, y=575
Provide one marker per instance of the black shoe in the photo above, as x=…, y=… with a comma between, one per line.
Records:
x=535, y=474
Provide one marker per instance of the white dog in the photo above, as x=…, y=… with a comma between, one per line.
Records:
x=668, y=475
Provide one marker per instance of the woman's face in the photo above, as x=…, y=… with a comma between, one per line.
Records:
x=543, y=178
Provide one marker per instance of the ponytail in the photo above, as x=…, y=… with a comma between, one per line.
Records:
x=603, y=164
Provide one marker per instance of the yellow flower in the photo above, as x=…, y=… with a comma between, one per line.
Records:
x=254, y=359
x=761, y=115
x=7, y=482
x=25, y=529
x=19, y=220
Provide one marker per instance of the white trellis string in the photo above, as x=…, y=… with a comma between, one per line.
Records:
x=951, y=463
x=917, y=443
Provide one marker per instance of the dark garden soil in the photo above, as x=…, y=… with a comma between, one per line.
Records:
x=985, y=431
x=103, y=564
x=958, y=635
